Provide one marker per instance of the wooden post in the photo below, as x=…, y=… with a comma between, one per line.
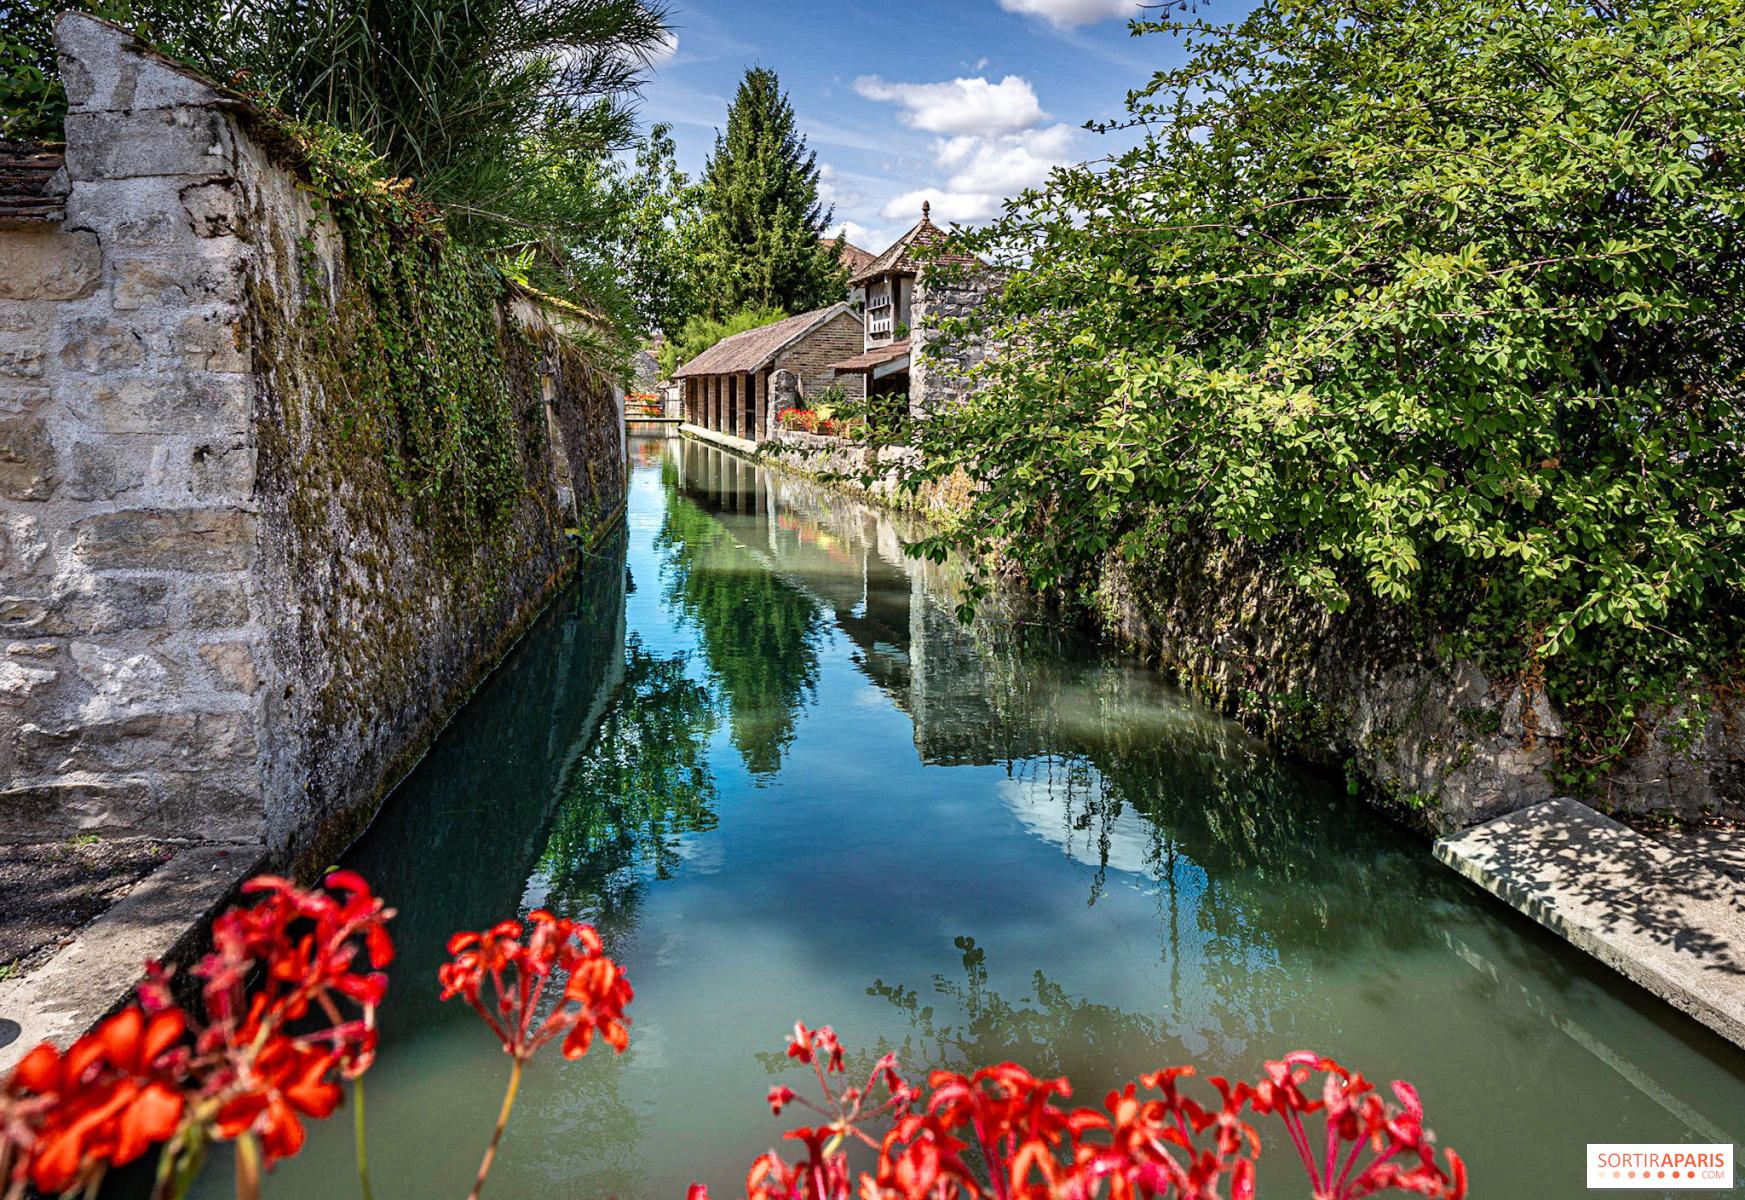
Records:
x=760, y=406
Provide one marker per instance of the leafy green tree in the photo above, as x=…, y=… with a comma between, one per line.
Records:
x=700, y=333
x=763, y=217
x=32, y=102
x=661, y=231
x=1426, y=301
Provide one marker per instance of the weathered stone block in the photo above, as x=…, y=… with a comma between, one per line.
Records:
x=49, y=264
x=22, y=615
x=122, y=682
x=219, y=473
x=212, y=342
x=215, y=209
x=162, y=141
x=197, y=405
x=23, y=544
x=103, y=471
x=98, y=345
x=217, y=604
x=142, y=742
x=28, y=467
x=103, y=604
x=232, y=665
x=105, y=68
x=21, y=684
x=20, y=360
x=23, y=397
x=175, y=282
x=73, y=803
x=174, y=540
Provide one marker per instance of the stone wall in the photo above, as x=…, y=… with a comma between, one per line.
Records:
x=220, y=618
x=939, y=366
x=835, y=341
x=1434, y=738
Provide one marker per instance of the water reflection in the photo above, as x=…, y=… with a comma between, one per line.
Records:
x=788, y=784
x=642, y=788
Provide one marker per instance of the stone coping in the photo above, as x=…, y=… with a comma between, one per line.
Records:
x=1668, y=920
x=743, y=445
x=164, y=918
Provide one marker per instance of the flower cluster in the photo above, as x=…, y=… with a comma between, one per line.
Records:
x=806, y=420
x=519, y=962
x=1355, y=1118
x=288, y=1001
x=1003, y=1133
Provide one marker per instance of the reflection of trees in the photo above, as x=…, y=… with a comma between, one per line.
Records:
x=1052, y=1032
x=643, y=784
x=759, y=634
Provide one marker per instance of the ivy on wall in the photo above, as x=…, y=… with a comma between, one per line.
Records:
x=425, y=353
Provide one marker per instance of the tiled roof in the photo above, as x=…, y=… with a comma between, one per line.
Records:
x=753, y=349
x=877, y=356
x=853, y=257
x=898, y=258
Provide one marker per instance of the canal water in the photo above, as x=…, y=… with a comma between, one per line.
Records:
x=753, y=745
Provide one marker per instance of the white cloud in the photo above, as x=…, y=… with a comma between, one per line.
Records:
x=1007, y=164
x=1066, y=13
x=959, y=106
x=962, y=207
x=664, y=49
x=866, y=238
x=833, y=191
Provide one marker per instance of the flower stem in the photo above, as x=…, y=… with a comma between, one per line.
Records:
x=357, y=1125
x=497, y=1134
x=248, y=1168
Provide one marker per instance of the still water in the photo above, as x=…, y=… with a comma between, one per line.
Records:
x=753, y=745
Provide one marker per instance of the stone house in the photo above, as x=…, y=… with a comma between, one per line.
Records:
x=900, y=305
x=737, y=386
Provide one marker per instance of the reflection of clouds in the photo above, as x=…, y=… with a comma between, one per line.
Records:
x=700, y=853
x=1120, y=839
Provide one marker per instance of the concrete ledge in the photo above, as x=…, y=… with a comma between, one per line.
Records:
x=742, y=445
x=162, y=918
x=1670, y=921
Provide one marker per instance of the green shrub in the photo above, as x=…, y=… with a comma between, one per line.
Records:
x=1432, y=301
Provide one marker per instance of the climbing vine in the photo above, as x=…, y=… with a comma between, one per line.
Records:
x=425, y=354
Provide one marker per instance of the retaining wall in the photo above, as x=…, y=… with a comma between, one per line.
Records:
x=221, y=617
x=1437, y=738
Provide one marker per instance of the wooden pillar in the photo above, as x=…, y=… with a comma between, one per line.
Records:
x=731, y=423
x=760, y=406
x=714, y=418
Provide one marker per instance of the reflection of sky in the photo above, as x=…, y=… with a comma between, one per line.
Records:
x=859, y=863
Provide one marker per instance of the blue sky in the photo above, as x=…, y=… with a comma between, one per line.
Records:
x=961, y=102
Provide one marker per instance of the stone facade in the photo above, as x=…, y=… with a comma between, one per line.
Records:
x=811, y=357
x=217, y=622
x=940, y=367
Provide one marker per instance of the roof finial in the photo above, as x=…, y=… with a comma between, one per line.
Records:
x=926, y=210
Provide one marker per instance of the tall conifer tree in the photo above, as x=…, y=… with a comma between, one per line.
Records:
x=762, y=212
